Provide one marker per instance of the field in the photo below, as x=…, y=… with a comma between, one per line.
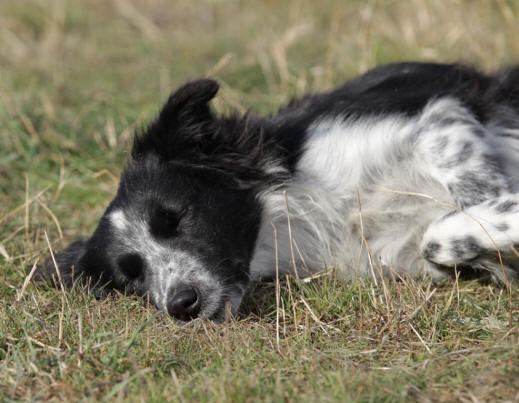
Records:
x=77, y=77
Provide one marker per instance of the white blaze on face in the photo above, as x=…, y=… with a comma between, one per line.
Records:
x=166, y=267
x=118, y=220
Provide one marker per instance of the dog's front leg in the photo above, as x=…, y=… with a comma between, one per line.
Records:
x=484, y=236
x=455, y=148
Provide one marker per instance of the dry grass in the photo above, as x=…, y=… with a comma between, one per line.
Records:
x=76, y=77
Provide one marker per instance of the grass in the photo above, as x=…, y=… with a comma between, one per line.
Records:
x=77, y=77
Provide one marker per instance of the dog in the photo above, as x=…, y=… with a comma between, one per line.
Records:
x=411, y=168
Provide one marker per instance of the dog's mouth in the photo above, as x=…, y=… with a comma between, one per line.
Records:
x=229, y=305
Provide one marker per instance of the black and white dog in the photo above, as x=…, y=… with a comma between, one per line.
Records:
x=410, y=168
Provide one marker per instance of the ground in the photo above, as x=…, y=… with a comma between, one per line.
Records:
x=76, y=78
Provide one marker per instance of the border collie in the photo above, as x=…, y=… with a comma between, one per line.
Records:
x=410, y=168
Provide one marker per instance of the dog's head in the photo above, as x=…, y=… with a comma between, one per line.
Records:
x=183, y=224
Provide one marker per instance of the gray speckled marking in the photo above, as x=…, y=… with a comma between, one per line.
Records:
x=467, y=247
x=471, y=189
x=506, y=206
x=466, y=152
x=441, y=145
x=431, y=250
x=503, y=227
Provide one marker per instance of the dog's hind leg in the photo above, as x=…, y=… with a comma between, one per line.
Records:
x=483, y=237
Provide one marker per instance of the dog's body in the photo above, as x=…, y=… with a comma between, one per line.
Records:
x=410, y=168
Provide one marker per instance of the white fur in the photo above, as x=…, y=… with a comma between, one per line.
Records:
x=365, y=191
x=118, y=220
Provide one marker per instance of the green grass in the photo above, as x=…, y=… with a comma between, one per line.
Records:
x=77, y=77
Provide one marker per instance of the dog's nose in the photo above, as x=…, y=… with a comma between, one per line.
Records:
x=185, y=304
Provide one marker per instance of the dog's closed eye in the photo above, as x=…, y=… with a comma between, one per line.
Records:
x=164, y=222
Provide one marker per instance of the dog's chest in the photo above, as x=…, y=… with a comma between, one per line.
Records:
x=369, y=169
x=356, y=200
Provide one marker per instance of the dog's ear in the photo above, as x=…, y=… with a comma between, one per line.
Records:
x=189, y=102
x=66, y=262
x=183, y=123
